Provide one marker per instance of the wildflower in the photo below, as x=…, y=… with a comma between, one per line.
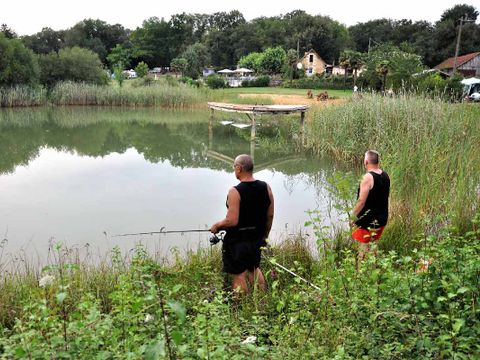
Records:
x=424, y=264
x=250, y=340
x=148, y=318
x=45, y=281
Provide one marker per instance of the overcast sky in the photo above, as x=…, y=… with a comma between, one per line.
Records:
x=30, y=16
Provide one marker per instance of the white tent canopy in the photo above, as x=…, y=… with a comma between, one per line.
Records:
x=470, y=81
x=243, y=70
x=226, y=71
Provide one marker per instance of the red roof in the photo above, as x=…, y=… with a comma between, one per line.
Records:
x=448, y=64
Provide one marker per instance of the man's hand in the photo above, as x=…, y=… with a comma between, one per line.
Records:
x=214, y=228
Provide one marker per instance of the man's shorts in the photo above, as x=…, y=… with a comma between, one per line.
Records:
x=239, y=256
x=367, y=235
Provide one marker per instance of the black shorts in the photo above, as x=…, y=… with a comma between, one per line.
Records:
x=239, y=256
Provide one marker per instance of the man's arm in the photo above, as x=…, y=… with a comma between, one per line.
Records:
x=365, y=187
x=270, y=213
x=231, y=219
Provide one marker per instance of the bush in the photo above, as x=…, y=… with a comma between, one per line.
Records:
x=261, y=81
x=215, y=82
x=433, y=85
x=18, y=65
x=141, y=69
x=72, y=64
x=321, y=82
x=189, y=81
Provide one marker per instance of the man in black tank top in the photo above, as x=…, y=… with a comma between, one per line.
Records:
x=248, y=222
x=371, y=210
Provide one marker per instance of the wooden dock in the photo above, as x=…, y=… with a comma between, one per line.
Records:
x=252, y=110
x=258, y=109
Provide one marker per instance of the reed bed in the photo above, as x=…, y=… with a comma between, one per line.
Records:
x=431, y=149
x=21, y=96
x=162, y=95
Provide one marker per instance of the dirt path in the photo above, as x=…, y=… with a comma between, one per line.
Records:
x=294, y=99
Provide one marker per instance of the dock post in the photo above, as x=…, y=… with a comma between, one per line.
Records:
x=210, y=130
x=253, y=137
x=302, y=127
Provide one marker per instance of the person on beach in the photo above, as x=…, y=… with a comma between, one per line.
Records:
x=249, y=218
x=371, y=209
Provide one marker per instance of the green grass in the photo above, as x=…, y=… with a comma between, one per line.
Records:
x=391, y=307
x=284, y=91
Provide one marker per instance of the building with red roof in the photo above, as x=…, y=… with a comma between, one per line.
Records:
x=467, y=65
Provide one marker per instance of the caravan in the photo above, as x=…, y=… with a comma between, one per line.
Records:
x=471, y=88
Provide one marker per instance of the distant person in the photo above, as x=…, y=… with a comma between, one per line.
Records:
x=355, y=89
x=371, y=209
x=248, y=222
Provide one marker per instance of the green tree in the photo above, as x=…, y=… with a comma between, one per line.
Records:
x=292, y=60
x=8, y=32
x=391, y=65
x=120, y=57
x=251, y=61
x=197, y=57
x=141, y=69
x=74, y=64
x=153, y=42
x=344, y=62
x=445, y=33
x=18, y=65
x=178, y=65
x=45, y=41
x=273, y=60
x=96, y=35
x=118, y=75
x=382, y=68
x=351, y=60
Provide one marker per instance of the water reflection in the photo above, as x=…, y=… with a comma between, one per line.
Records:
x=72, y=174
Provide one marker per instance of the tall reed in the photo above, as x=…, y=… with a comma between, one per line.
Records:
x=430, y=148
x=19, y=96
x=162, y=94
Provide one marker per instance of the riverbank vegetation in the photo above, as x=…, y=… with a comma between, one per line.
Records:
x=431, y=150
x=422, y=305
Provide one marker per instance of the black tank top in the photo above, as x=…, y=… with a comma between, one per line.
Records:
x=254, y=203
x=375, y=211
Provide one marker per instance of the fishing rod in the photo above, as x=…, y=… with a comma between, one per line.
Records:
x=214, y=239
x=162, y=231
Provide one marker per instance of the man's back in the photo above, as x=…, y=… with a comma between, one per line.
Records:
x=254, y=203
x=375, y=211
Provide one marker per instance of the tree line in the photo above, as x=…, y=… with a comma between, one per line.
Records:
x=223, y=38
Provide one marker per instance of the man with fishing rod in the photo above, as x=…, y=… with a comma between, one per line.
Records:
x=250, y=210
x=371, y=209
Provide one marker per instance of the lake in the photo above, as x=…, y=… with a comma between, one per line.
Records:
x=82, y=175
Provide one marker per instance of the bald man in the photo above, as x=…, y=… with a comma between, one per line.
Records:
x=371, y=209
x=249, y=218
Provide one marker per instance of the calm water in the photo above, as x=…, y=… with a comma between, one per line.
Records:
x=81, y=175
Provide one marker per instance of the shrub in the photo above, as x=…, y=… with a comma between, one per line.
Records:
x=18, y=65
x=321, y=82
x=72, y=64
x=261, y=81
x=141, y=69
x=215, y=82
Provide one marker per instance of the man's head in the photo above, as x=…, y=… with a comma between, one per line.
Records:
x=372, y=158
x=243, y=164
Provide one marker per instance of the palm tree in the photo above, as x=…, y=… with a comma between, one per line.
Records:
x=292, y=60
x=351, y=60
x=382, y=69
x=344, y=61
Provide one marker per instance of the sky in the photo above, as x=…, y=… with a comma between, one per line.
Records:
x=30, y=16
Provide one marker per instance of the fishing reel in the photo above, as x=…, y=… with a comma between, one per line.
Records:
x=216, y=238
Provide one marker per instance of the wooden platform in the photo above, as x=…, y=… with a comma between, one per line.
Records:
x=258, y=109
